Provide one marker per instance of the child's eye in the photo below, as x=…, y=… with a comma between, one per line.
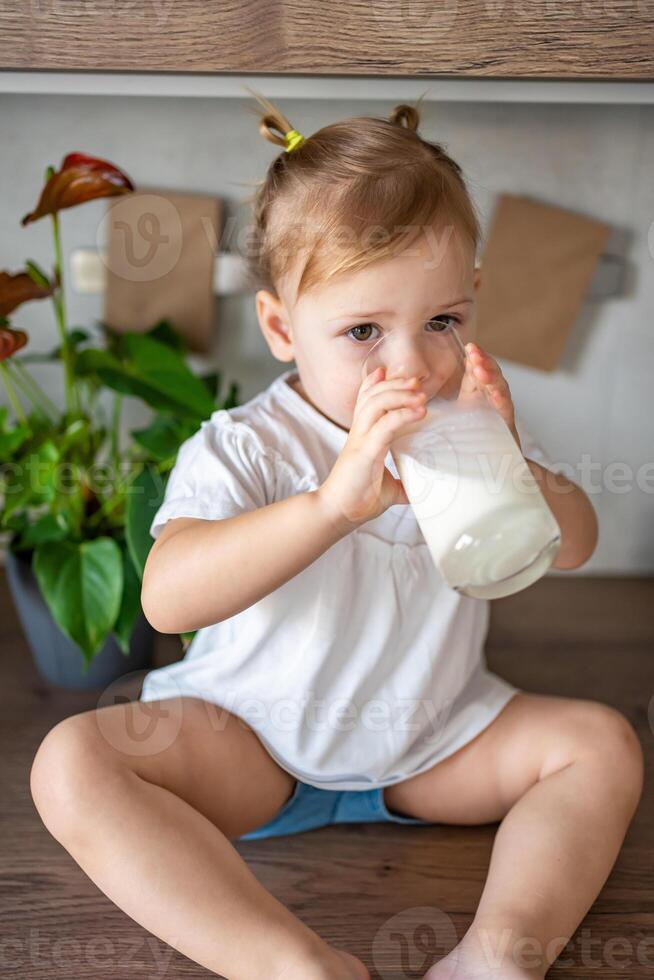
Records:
x=438, y=322
x=360, y=326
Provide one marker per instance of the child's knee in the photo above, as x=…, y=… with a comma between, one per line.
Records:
x=69, y=773
x=605, y=734
x=623, y=749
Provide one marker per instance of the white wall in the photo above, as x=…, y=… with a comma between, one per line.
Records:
x=592, y=158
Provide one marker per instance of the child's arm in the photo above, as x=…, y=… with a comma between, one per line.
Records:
x=574, y=514
x=570, y=505
x=200, y=572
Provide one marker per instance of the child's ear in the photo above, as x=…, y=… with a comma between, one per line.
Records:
x=477, y=276
x=272, y=317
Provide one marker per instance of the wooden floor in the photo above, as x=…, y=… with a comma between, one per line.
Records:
x=580, y=637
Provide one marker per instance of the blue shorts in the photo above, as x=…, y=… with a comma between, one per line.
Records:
x=309, y=807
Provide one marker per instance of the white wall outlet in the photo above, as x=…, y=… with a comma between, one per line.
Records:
x=230, y=275
x=88, y=271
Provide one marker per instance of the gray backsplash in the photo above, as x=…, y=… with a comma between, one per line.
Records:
x=596, y=159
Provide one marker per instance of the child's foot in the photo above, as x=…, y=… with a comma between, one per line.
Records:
x=336, y=964
x=355, y=969
x=469, y=961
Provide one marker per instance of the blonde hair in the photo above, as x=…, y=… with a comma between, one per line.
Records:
x=375, y=179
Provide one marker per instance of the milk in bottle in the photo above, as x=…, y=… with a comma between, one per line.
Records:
x=487, y=525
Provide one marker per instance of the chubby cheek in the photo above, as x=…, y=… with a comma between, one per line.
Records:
x=338, y=396
x=342, y=398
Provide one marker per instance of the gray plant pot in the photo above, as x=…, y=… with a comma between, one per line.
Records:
x=58, y=659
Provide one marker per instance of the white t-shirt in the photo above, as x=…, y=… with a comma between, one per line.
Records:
x=363, y=669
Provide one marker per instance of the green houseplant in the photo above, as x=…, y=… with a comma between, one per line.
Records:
x=76, y=504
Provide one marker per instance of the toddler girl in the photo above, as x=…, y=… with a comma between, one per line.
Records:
x=334, y=676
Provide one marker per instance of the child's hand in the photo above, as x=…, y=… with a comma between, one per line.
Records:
x=487, y=372
x=359, y=486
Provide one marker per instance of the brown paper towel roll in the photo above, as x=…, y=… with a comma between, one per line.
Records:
x=536, y=267
x=161, y=251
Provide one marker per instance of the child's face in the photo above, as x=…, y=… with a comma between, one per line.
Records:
x=400, y=293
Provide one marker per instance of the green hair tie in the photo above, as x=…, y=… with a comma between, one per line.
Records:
x=293, y=139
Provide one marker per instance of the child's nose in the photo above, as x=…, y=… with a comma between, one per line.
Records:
x=409, y=367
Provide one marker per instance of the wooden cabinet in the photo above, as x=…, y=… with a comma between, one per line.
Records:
x=545, y=39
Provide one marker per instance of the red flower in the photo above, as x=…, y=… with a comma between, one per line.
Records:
x=11, y=341
x=81, y=178
x=17, y=289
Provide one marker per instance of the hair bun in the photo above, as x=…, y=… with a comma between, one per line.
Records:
x=272, y=129
x=405, y=115
x=273, y=124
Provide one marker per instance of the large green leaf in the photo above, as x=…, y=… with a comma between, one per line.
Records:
x=130, y=606
x=49, y=527
x=152, y=371
x=144, y=496
x=166, y=333
x=119, y=377
x=163, y=437
x=162, y=330
x=82, y=583
x=164, y=368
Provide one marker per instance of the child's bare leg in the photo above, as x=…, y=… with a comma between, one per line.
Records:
x=564, y=776
x=145, y=797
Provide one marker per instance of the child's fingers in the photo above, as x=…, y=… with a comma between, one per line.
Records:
x=468, y=382
x=371, y=378
x=483, y=367
x=499, y=391
x=387, y=427
x=385, y=401
x=500, y=385
x=484, y=363
x=488, y=371
x=395, y=383
x=368, y=382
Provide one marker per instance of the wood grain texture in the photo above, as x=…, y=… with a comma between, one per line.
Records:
x=580, y=637
x=556, y=39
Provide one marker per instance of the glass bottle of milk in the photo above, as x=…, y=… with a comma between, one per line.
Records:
x=486, y=523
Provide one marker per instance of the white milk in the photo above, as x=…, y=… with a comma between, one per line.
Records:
x=487, y=525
